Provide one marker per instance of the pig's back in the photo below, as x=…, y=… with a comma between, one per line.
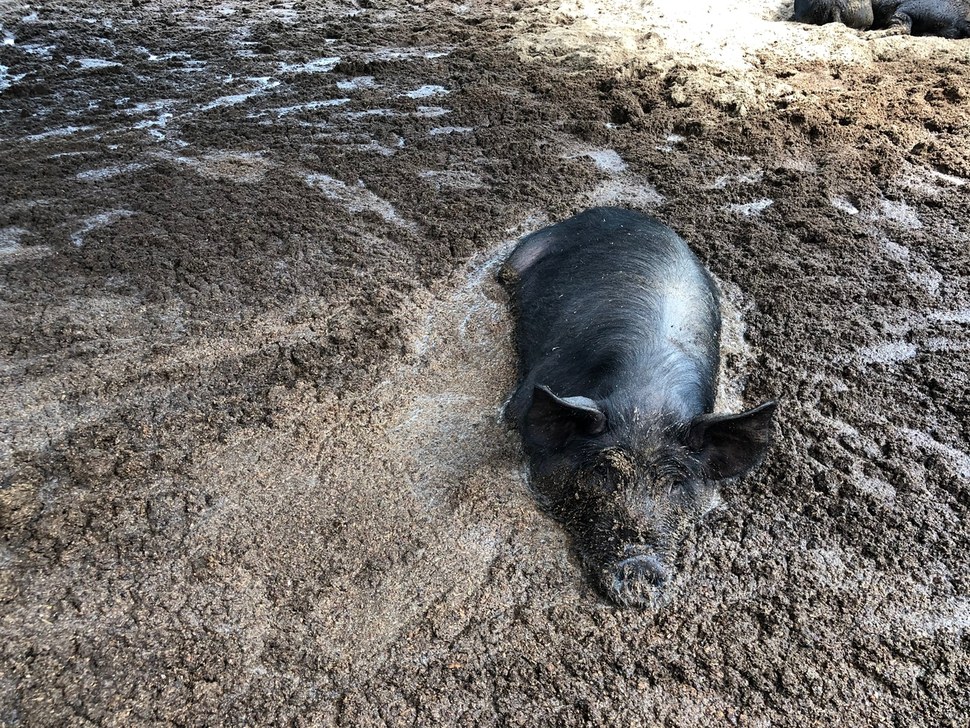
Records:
x=612, y=299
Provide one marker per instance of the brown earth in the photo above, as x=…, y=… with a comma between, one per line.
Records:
x=253, y=357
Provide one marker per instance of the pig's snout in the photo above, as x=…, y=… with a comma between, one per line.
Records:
x=643, y=568
x=637, y=580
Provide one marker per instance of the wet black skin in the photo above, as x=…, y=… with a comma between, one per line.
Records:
x=618, y=336
x=943, y=18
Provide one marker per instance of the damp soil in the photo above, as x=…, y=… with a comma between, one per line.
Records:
x=253, y=357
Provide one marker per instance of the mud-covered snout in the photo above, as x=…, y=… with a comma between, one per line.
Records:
x=637, y=578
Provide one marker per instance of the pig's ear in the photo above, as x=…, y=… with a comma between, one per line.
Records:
x=552, y=420
x=730, y=445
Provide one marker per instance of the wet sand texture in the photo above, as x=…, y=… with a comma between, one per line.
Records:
x=253, y=358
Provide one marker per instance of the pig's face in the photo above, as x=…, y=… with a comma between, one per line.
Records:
x=638, y=506
x=629, y=488
x=627, y=510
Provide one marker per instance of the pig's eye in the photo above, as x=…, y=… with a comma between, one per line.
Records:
x=607, y=478
x=684, y=490
x=674, y=486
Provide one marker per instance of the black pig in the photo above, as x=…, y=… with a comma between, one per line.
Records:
x=944, y=18
x=854, y=13
x=618, y=336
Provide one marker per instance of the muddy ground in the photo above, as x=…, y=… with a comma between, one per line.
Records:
x=253, y=358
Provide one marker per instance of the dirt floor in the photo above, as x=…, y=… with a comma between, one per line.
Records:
x=253, y=358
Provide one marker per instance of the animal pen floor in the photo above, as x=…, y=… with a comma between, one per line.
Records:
x=253, y=357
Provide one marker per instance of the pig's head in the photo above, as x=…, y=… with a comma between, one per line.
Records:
x=628, y=486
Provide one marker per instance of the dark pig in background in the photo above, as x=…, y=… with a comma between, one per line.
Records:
x=854, y=13
x=943, y=18
x=618, y=336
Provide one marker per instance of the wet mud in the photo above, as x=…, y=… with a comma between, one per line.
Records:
x=253, y=361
